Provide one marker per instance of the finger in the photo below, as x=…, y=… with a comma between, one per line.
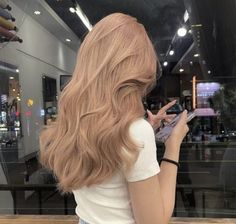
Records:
x=167, y=106
x=169, y=116
x=168, y=120
x=183, y=118
x=150, y=114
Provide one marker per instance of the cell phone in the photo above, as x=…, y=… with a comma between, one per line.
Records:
x=165, y=132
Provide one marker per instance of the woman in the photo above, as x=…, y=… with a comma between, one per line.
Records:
x=100, y=148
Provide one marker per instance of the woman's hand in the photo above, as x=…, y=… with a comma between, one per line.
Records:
x=178, y=133
x=155, y=119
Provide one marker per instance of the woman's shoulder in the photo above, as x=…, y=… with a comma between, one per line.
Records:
x=141, y=127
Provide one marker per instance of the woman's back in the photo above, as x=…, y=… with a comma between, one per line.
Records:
x=109, y=202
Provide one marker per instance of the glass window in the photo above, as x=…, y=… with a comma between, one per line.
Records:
x=195, y=43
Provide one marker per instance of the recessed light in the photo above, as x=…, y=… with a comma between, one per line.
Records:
x=171, y=52
x=17, y=70
x=181, y=70
x=165, y=63
x=68, y=40
x=72, y=9
x=13, y=90
x=11, y=77
x=36, y=12
x=196, y=55
x=182, y=32
x=191, y=63
x=209, y=72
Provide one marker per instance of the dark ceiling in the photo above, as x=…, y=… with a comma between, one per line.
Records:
x=160, y=18
x=212, y=23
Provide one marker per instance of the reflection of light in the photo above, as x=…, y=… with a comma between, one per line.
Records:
x=186, y=16
x=171, y=52
x=17, y=129
x=68, y=40
x=182, y=32
x=165, y=63
x=37, y=12
x=194, y=92
x=83, y=17
x=42, y=112
x=181, y=70
x=11, y=77
x=72, y=10
x=30, y=102
x=3, y=129
x=196, y=55
x=28, y=113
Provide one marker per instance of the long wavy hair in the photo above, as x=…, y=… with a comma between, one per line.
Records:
x=90, y=141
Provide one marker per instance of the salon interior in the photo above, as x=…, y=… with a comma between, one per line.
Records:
x=195, y=41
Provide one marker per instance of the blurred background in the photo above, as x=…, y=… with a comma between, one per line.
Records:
x=196, y=45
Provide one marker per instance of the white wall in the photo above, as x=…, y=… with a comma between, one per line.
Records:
x=40, y=53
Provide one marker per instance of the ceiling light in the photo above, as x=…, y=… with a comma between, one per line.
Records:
x=171, y=52
x=36, y=12
x=13, y=90
x=68, y=40
x=11, y=77
x=182, y=32
x=181, y=70
x=72, y=9
x=191, y=63
x=196, y=55
x=17, y=70
x=83, y=17
x=209, y=72
x=186, y=16
x=165, y=63
x=190, y=31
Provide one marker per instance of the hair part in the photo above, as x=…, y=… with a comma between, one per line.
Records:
x=116, y=65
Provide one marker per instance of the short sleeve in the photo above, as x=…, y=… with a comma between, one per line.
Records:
x=146, y=165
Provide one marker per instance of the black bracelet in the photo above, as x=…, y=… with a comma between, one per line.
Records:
x=170, y=161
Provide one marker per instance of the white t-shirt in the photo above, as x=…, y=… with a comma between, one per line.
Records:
x=109, y=202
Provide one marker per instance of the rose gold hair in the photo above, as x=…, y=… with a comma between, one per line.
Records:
x=90, y=139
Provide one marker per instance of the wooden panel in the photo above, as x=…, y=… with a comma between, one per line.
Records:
x=68, y=219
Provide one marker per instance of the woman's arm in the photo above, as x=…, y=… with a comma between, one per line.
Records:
x=153, y=199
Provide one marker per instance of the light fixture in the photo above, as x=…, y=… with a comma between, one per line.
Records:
x=68, y=40
x=181, y=70
x=190, y=31
x=17, y=70
x=171, y=52
x=165, y=63
x=72, y=10
x=11, y=77
x=196, y=55
x=191, y=63
x=83, y=17
x=209, y=72
x=186, y=16
x=36, y=12
x=182, y=32
x=13, y=90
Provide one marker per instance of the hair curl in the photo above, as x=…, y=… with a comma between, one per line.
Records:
x=89, y=141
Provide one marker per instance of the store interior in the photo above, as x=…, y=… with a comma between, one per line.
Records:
x=195, y=44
